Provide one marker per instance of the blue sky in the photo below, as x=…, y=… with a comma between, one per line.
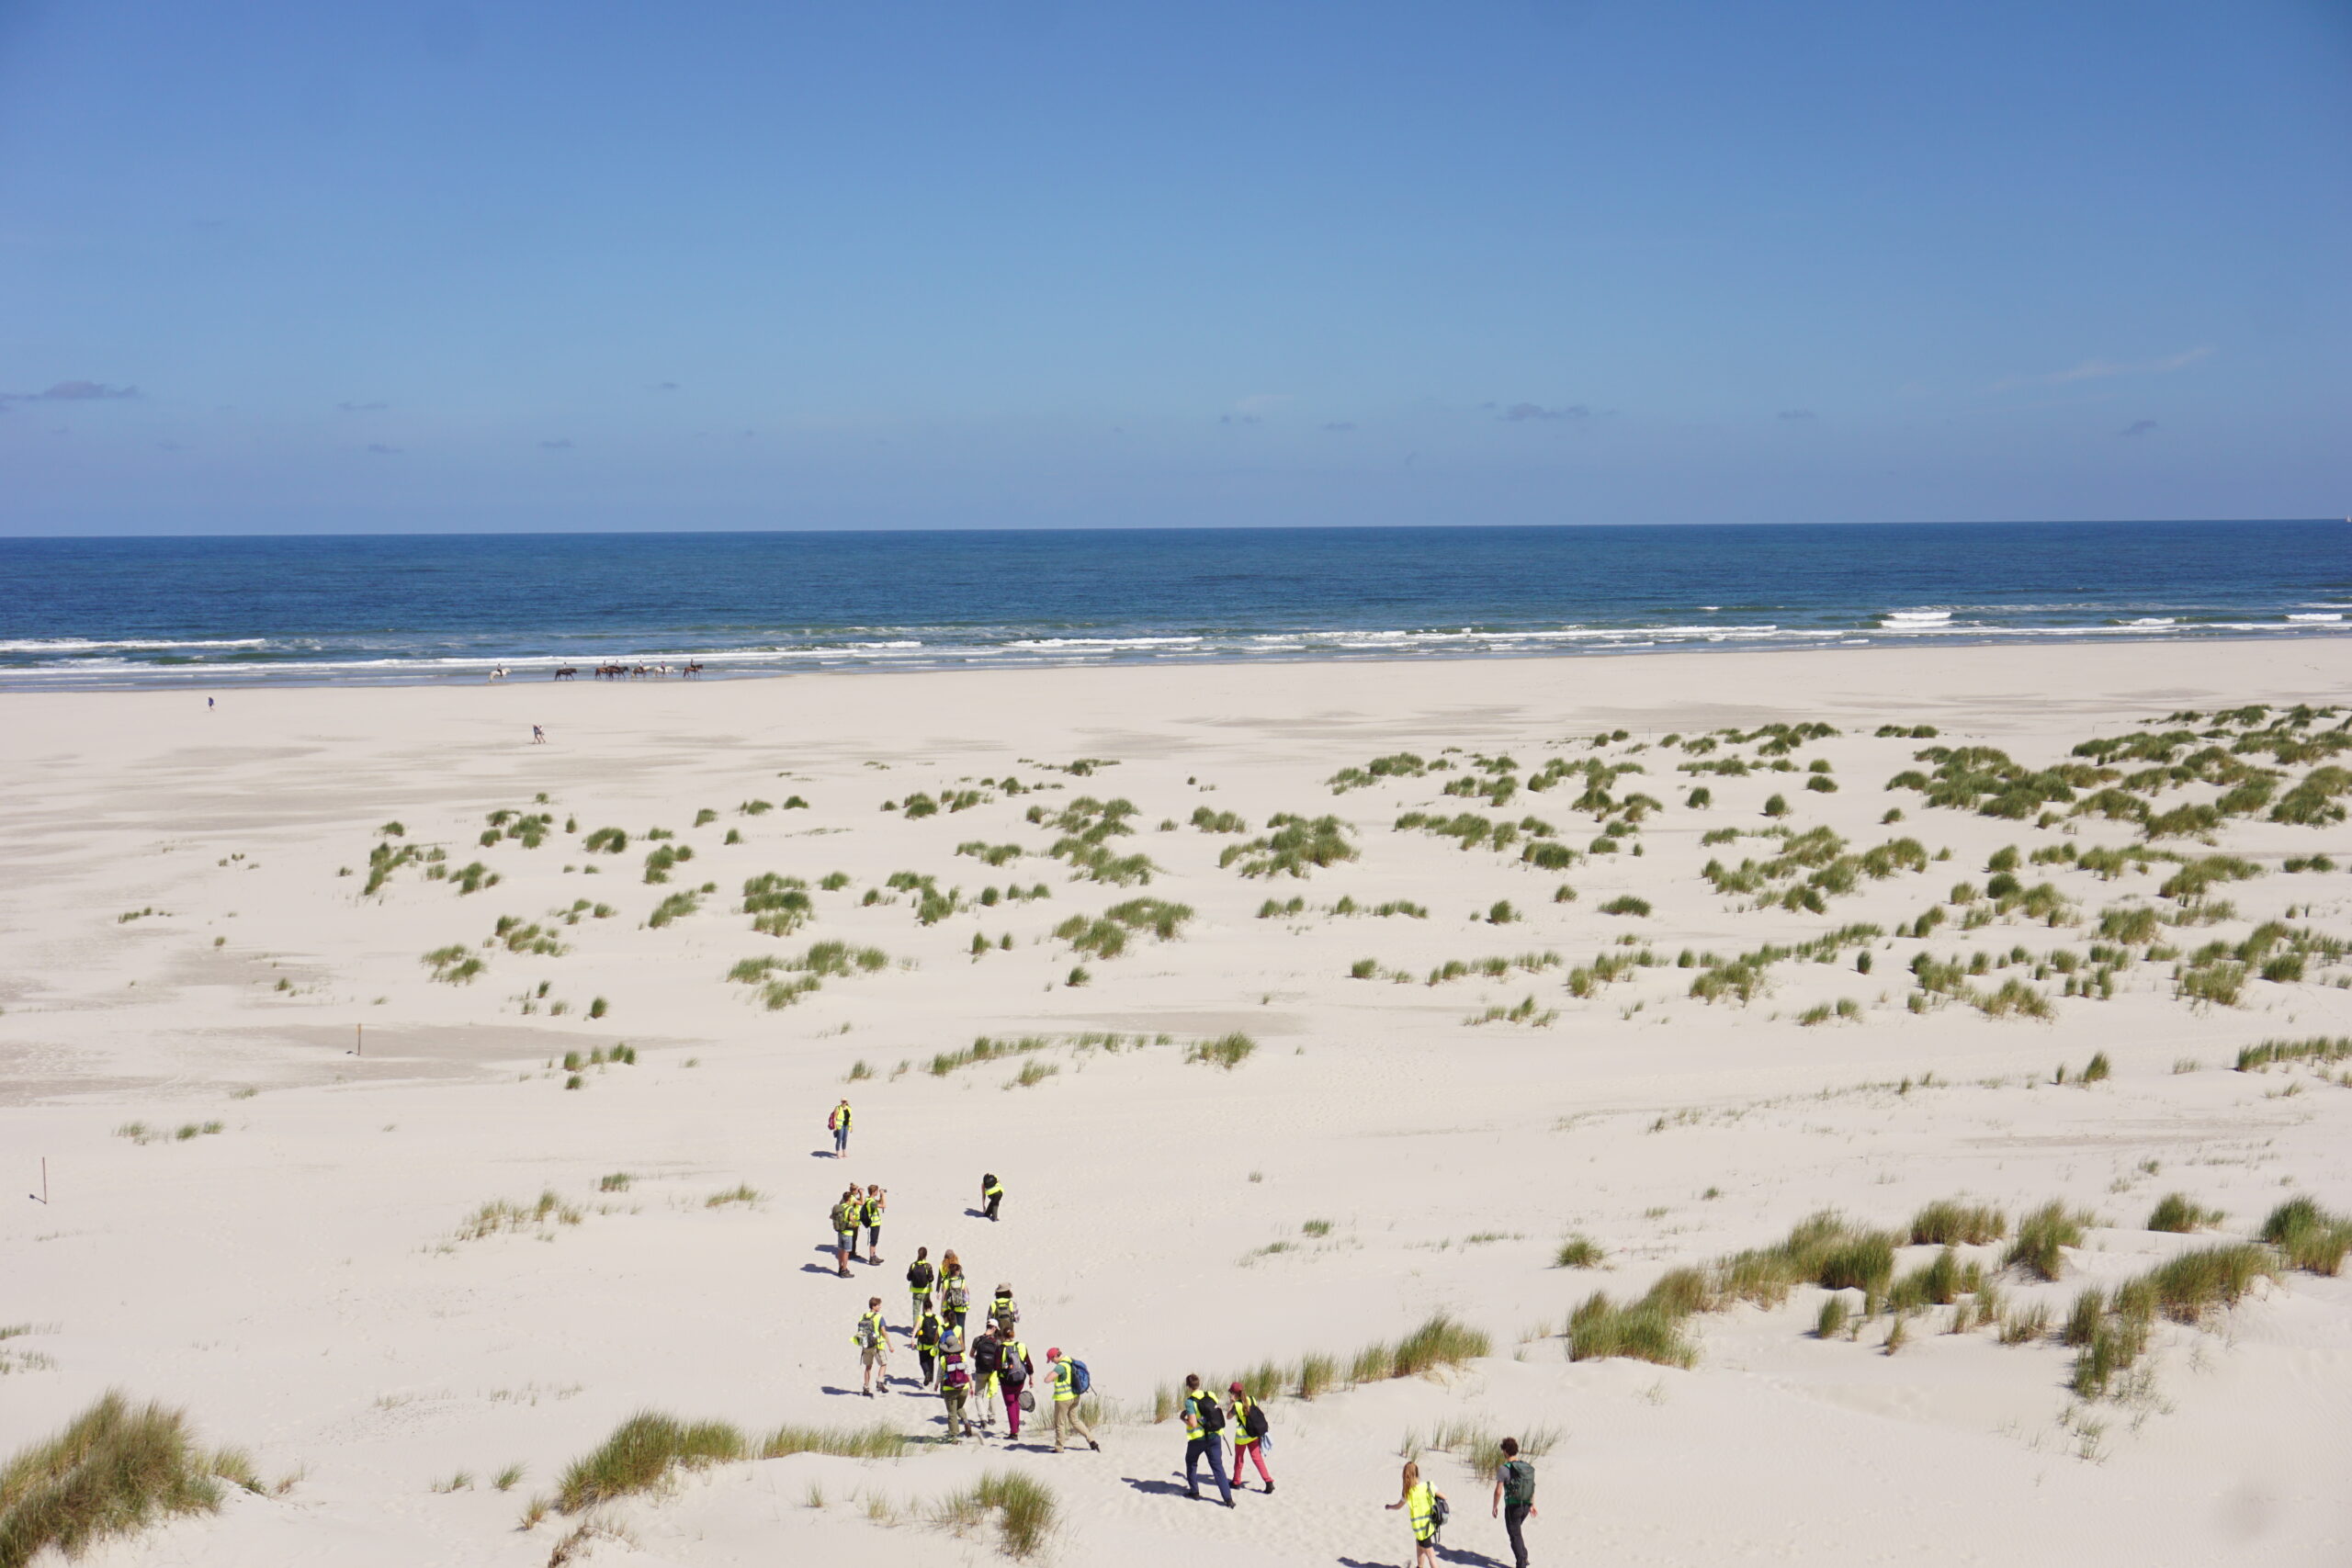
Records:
x=1008, y=263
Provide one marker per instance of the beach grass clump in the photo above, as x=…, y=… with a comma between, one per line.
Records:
x=2195, y=1285
x=1644, y=1330
x=1397, y=765
x=2253, y=1059
x=1023, y=1508
x=113, y=1471
x=502, y=1215
x=1951, y=1222
x=1227, y=1050
x=778, y=905
x=1440, y=1342
x=1578, y=1252
x=455, y=964
x=2307, y=1236
x=1297, y=845
x=665, y=858
x=2042, y=1237
x=641, y=1454
x=1626, y=904
x=878, y=1440
x=2177, y=1213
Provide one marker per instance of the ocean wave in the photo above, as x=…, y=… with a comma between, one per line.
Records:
x=1900, y=618
x=85, y=644
x=2315, y=619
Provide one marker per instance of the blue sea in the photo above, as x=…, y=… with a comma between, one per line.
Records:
x=420, y=608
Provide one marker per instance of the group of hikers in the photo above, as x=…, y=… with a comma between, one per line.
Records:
x=971, y=1380
x=973, y=1375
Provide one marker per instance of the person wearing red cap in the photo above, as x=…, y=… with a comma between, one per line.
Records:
x=1249, y=1435
x=1065, y=1375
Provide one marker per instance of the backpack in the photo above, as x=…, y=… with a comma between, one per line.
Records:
x=988, y=1356
x=1440, y=1511
x=869, y=1331
x=1080, y=1380
x=833, y=1120
x=844, y=1219
x=1209, y=1413
x=1253, y=1423
x=1014, y=1368
x=1519, y=1482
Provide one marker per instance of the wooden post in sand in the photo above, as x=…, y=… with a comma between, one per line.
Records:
x=358, y=1039
x=43, y=1196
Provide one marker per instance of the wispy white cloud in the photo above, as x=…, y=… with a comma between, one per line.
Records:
x=2100, y=369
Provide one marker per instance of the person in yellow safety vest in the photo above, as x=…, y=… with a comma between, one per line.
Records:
x=1419, y=1502
x=991, y=1194
x=873, y=1344
x=839, y=1124
x=1247, y=1443
x=1065, y=1402
x=1204, y=1421
x=875, y=1202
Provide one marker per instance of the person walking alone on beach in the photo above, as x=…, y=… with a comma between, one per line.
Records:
x=538, y=736
x=845, y=1217
x=1014, y=1368
x=1422, y=1506
x=875, y=1203
x=955, y=1384
x=991, y=1194
x=1515, y=1498
x=1204, y=1420
x=1067, y=1386
x=1249, y=1436
x=838, y=1123
x=873, y=1346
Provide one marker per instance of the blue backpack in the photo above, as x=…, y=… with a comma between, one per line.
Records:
x=1080, y=1380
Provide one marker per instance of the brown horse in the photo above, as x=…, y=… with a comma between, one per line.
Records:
x=567, y=672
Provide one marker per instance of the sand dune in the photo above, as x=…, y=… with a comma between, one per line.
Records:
x=185, y=940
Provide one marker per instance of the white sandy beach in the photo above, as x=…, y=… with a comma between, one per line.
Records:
x=294, y=1281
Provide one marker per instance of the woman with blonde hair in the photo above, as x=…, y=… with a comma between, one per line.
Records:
x=1422, y=1506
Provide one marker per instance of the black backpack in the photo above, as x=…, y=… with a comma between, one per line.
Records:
x=1253, y=1420
x=1209, y=1413
x=1015, y=1368
x=988, y=1356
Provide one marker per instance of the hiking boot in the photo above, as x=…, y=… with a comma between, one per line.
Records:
x=1096, y=1446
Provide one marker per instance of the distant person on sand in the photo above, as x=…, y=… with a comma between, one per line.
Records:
x=1067, y=1386
x=538, y=736
x=1204, y=1421
x=208, y=705
x=1515, y=1498
x=845, y=1218
x=838, y=1122
x=1422, y=1504
x=991, y=1194
x=873, y=1346
x=875, y=1203
x=1002, y=1314
x=1249, y=1436
x=955, y=1384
